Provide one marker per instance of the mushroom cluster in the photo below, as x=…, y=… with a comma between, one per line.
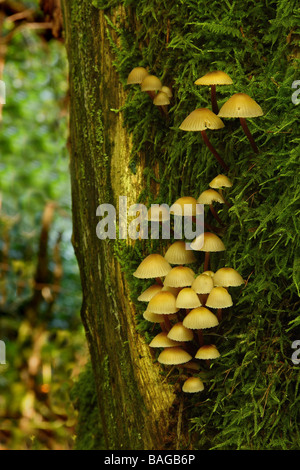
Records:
x=160, y=94
x=239, y=105
x=182, y=302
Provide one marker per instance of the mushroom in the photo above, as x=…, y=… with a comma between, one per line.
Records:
x=161, y=340
x=199, y=120
x=185, y=206
x=202, y=285
x=151, y=84
x=207, y=242
x=228, y=277
x=199, y=319
x=209, y=196
x=155, y=318
x=167, y=90
x=242, y=106
x=193, y=385
x=153, y=266
x=187, y=299
x=147, y=295
x=207, y=351
x=162, y=101
x=178, y=254
x=212, y=79
x=179, y=332
x=163, y=303
x=220, y=182
x=179, y=276
x=219, y=298
x=174, y=356
x=137, y=75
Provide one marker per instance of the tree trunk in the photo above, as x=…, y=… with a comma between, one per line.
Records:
x=135, y=404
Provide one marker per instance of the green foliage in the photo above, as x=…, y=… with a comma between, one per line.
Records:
x=88, y=433
x=251, y=398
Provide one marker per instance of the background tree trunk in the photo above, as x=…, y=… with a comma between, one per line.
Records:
x=135, y=404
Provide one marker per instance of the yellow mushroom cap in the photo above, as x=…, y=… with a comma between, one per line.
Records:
x=219, y=297
x=200, y=318
x=178, y=332
x=203, y=284
x=240, y=105
x=227, y=277
x=154, y=265
x=137, y=75
x=147, y=295
x=201, y=119
x=193, y=385
x=185, y=206
x=208, y=351
x=161, y=340
x=209, y=196
x=220, y=181
x=217, y=77
x=167, y=90
x=208, y=241
x=173, y=356
x=178, y=254
x=209, y=273
x=163, y=302
x=151, y=83
x=187, y=298
x=161, y=99
x=179, y=276
x=153, y=317
x=174, y=290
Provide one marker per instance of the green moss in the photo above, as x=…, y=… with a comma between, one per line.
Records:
x=88, y=434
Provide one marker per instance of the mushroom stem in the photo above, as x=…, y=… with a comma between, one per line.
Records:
x=226, y=202
x=214, y=213
x=200, y=337
x=206, y=261
x=219, y=314
x=203, y=299
x=248, y=134
x=214, y=102
x=213, y=150
x=167, y=323
x=159, y=281
x=151, y=94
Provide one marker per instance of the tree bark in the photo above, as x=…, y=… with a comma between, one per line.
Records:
x=137, y=407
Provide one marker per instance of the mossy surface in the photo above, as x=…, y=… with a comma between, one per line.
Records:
x=251, y=398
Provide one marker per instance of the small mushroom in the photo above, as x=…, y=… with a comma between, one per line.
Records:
x=228, y=277
x=199, y=120
x=202, y=285
x=207, y=351
x=217, y=77
x=242, y=106
x=174, y=356
x=187, y=299
x=163, y=303
x=161, y=340
x=153, y=266
x=179, y=276
x=209, y=196
x=220, y=182
x=193, y=385
x=207, y=242
x=151, y=85
x=199, y=319
x=178, y=254
x=219, y=298
x=137, y=75
x=147, y=295
x=179, y=332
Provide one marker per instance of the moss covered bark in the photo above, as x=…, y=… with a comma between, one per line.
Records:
x=134, y=404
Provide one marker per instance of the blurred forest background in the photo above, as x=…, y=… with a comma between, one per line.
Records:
x=40, y=293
